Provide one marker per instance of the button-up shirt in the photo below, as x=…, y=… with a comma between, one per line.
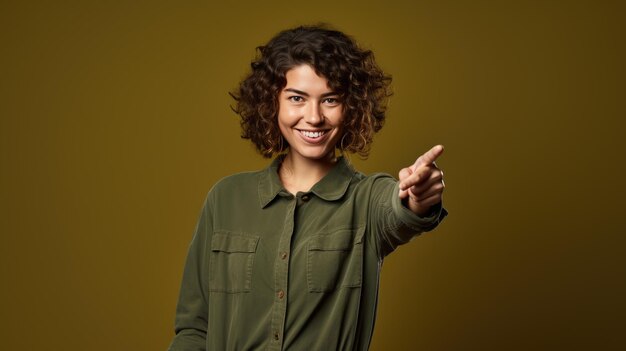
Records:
x=270, y=270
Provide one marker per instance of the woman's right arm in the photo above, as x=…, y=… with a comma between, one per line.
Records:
x=192, y=309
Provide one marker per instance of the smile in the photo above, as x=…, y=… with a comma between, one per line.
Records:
x=312, y=134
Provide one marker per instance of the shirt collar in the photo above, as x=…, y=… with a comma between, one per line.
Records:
x=330, y=188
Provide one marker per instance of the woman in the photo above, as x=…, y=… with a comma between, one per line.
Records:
x=288, y=258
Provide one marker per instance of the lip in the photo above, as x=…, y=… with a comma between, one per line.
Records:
x=311, y=140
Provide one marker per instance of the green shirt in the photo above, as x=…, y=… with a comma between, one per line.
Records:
x=269, y=270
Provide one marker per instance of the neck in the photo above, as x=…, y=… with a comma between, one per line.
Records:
x=300, y=173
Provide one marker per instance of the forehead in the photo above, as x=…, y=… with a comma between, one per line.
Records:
x=304, y=77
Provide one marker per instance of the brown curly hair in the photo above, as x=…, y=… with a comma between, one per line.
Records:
x=350, y=71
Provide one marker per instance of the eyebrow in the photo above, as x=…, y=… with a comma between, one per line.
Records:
x=300, y=92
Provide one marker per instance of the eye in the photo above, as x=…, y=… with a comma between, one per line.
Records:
x=295, y=98
x=331, y=101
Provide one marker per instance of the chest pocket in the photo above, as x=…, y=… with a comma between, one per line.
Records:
x=335, y=260
x=231, y=260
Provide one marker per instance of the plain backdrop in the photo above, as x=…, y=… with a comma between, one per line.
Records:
x=115, y=121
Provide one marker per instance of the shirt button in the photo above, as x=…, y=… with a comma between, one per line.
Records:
x=276, y=335
x=281, y=294
x=283, y=255
x=305, y=197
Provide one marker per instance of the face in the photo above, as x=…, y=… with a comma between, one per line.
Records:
x=309, y=115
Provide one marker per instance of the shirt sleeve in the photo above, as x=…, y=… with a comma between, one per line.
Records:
x=392, y=223
x=192, y=309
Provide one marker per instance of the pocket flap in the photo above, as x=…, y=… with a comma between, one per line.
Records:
x=233, y=243
x=341, y=240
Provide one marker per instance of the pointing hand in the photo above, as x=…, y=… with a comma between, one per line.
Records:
x=422, y=183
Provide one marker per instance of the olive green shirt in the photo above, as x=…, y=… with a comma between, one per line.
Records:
x=269, y=270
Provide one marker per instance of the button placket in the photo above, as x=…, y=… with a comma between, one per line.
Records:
x=281, y=273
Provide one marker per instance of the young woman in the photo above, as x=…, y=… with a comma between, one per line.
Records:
x=289, y=257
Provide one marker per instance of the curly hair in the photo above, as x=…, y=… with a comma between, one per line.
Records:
x=351, y=71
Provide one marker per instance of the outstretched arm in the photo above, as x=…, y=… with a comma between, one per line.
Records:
x=402, y=209
x=421, y=184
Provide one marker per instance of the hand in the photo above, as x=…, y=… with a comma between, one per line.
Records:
x=422, y=183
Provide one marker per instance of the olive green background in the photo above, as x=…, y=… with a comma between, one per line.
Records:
x=115, y=122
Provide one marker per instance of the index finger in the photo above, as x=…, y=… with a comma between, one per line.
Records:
x=430, y=156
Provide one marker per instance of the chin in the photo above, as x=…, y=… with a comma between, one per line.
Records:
x=314, y=154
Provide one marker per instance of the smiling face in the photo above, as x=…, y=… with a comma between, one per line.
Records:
x=310, y=115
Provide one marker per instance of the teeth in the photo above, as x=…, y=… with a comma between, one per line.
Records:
x=312, y=134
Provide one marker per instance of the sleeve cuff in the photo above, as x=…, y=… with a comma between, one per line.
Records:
x=418, y=223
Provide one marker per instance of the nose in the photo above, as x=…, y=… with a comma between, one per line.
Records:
x=314, y=115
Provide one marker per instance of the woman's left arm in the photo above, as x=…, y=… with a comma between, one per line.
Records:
x=421, y=184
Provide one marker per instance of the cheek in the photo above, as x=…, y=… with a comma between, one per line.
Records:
x=336, y=117
x=287, y=115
